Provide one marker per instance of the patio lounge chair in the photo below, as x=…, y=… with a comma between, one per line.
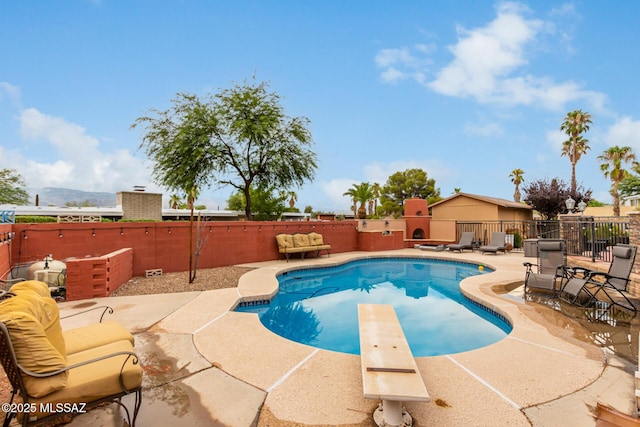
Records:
x=497, y=243
x=466, y=242
x=552, y=260
x=585, y=291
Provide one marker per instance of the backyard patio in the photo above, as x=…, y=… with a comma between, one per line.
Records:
x=207, y=365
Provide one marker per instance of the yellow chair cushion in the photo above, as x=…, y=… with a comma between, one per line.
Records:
x=34, y=352
x=300, y=240
x=87, y=337
x=315, y=239
x=35, y=286
x=46, y=309
x=285, y=241
x=98, y=379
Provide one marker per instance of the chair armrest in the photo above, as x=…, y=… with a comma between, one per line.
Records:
x=606, y=276
x=571, y=272
x=6, y=294
x=7, y=283
x=105, y=309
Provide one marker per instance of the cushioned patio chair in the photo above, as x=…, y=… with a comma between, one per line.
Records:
x=609, y=287
x=497, y=243
x=465, y=242
x=58, y=374
x=552, y=260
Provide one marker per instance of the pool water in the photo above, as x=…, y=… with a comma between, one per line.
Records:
x=319, y=306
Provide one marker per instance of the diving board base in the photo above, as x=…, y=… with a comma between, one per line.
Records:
x=389, y=371
x=391, y=413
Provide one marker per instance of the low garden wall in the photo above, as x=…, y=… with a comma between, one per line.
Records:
x=98, y=276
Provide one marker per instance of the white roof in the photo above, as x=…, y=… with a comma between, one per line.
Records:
x=62, y=210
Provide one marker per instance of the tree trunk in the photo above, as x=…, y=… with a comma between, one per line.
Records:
x=192, y=272
x=362, y=211
x=247, y=206
x=616, y=199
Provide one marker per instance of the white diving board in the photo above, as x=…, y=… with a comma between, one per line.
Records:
x=389, y=371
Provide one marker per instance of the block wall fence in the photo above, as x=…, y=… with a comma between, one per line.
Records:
x=5, y=251
x=102, y=256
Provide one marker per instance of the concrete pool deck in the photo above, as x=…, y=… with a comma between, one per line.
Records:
x=207, y=365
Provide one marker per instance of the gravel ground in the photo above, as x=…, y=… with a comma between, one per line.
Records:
x=206, y=279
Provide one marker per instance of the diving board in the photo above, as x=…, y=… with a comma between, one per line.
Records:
x=389, y=371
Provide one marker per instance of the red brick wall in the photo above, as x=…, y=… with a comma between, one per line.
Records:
x=5, y=251
x=86, y=278
x=165, y=245
x=377, y=241
x=119, y=269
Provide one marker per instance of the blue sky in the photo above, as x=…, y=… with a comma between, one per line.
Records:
x=467, y=91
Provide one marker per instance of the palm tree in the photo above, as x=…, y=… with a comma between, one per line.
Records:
x=373, y=205
x=352, y=193
x=360, y=193
x=574, y=125
x=174, y=201
x=293, y=198
x=517, y=179
x=611, y=165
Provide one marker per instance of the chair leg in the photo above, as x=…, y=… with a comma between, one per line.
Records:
x=628, y=306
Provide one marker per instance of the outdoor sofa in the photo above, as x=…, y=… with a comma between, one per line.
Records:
x=301, y=243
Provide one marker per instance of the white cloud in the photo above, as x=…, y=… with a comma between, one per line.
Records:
x=77, y=160
x=392, y=74
x=624, y=133
x=490, y=129
x=379, y=172
x=489, y=64
x=335, y=189
x=402, y=63
x=556, y=139
x=10, y=91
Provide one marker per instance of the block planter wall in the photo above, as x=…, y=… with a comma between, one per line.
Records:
x=99, y=276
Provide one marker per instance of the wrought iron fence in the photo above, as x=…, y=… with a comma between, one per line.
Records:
x=592, y=237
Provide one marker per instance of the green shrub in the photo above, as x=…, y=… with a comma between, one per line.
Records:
x=517, y=240
x=24, y=219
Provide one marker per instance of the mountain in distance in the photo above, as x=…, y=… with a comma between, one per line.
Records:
x=52, y=196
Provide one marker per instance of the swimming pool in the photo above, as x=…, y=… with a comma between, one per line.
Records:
x=318, y=306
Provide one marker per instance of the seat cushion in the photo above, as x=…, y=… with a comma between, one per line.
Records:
x=315, y=239
x=97, y=380
x=87, y=337
x=301, y=240
x=285, y=241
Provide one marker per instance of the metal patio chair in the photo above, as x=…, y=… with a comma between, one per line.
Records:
x=610, y=287
x=550, y=271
